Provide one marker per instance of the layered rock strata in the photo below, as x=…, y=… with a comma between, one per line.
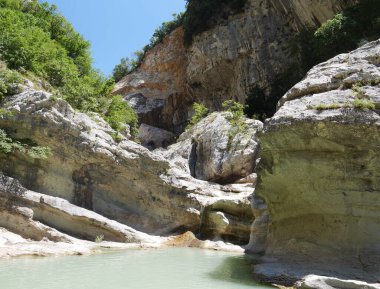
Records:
x=247, y=56
x=319, y=173
x=122, y=181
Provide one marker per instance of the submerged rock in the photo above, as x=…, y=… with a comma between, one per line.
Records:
x=320, y=174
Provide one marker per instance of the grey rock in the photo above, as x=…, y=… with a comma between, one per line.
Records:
x=241, y=57
x=152, y=137
x=215, y=151
x=319, y=175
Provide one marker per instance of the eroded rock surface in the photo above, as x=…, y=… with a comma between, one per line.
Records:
x=214, y=150
x=319, y=174
x=156, y=89
x=124, y=181
x=246, y=56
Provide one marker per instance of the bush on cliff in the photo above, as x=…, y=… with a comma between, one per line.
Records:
x=345, y=32
x=37, y=41
x=200, y=112
x=202, y=15
x=120, y=113
x=25, y=147
x=126, y=65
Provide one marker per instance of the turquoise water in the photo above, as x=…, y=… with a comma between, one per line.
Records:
x=179, y=268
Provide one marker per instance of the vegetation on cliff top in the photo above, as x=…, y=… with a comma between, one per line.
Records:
x=37, y=41
x=200, y=15
x=127, y=65
x=345, y=32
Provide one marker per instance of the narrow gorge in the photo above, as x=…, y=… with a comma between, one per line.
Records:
x=246, y=142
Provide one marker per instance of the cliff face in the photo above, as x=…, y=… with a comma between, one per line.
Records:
x=124, y=181
x=156, y=89
x=244, y=57
x=319, y=173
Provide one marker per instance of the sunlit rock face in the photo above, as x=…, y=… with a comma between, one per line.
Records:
x=214, y=151
x=157, y=88
x=246, y=56
x=151, y=192
x=320, y=173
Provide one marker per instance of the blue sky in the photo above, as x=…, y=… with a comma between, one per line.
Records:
x=117, y=28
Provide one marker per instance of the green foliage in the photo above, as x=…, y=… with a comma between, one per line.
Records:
x=323, y=106
x=361, y=103
x=127, y=65
x=120, y=113
x=9, y=145
x=357, y=90
x=202, y=15
x=99, y=239
x=9, y=83
x=237, y=119
x=35, y=37
x=165, y=29
x=200, y=112
x=237, y=111
x=341, y=34
x=122, y=69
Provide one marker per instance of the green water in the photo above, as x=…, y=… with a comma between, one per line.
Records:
x=135, y=269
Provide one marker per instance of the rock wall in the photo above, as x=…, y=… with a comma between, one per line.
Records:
x=123, y=181
x=156, y=89
x=320, y=173
x=245, y=57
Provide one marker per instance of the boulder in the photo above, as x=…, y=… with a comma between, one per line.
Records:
x=214, y=150
x=121, y=181
x=152, y=137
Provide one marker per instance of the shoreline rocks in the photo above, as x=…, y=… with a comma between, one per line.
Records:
x=319, y=174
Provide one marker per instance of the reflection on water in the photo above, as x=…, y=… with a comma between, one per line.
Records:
x=180, y=268
x=234, y=269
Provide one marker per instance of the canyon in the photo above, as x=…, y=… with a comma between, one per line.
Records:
x=299, y=192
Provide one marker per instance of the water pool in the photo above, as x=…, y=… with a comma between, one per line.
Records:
x=177, y=268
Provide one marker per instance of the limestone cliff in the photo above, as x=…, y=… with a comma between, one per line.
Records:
x=319, y=174
x=244, y=57
x=121, y=181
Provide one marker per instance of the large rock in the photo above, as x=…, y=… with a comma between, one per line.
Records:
x=320, y=174
x=214, y=150
x=244, y=56
x=38, y=216
x=121, y=181
x=152, y=137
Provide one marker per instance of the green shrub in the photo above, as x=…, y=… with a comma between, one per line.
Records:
x=363, y=104
x=126, y=65
x=35, y=38
x=9, y=145
x=120, y=113
x=122, y=69
x=341, y=34
x=39, y=42
x=323, y=106
x=99, y=239
x=9, y=82
x=237, y=119
x=200, y=112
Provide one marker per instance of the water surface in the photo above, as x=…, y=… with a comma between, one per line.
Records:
x=179, y=268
